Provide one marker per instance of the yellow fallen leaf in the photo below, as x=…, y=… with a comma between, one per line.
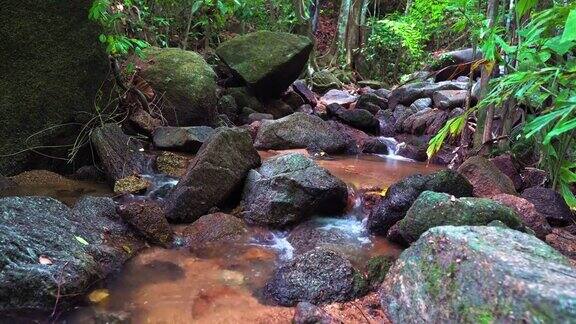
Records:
x=98, y=295
x=383, y=192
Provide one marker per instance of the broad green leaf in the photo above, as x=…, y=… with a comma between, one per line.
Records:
x=524, y=6
x=569, y=33
x=81, y=240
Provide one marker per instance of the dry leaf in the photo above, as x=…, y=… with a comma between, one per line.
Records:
x=98, y=295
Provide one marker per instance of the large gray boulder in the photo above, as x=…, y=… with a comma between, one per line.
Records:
x=300, y=130
x=480, y=275
x=289, y=188
x=216, y=172
x=268, y=62
x=433, y=209
x=44, y=243
x=318, y=276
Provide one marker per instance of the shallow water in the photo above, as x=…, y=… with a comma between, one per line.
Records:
x=221, y=284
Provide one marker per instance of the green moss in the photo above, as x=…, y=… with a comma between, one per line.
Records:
x=54, y=68
x=323, y=81
x=359, y=284
x=376, y=270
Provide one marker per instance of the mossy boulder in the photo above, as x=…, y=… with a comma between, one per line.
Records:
x=187, y=84
x=433, y=209
x=480, y=274
x=268, y=62
x=323, y=81
x=52, y=69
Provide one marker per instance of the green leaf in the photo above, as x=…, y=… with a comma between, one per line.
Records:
x=569, y=33
x=81, y=240
x=524, y=6
x=102, y=38
x=196, y=6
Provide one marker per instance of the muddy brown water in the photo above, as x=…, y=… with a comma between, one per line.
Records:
x=222, y=283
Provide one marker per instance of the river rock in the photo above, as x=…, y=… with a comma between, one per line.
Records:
x=319, y=276
x=486, y=178
x=216, y=172
x=7, y=183
x=277, y=108
x=433, y=209
x=563, y=241
x=299, y=130
x=506, y=164
x=471, y=274
x=421, y=104
x=300, y=87
x=307, y=313
x=375, y=145
x=323, y=81
x=372, y=102
x=401, y=195
x=352, y=136
x=186, y=139
x=45, y=243
x=527, y=212
x=457, y=57
x=448, y=99
x=172, y=164
x=376, y=270
x=550, y=204
x=357, y=118
x=409, y=93
x=214, y=228
x=147, y=218
x=186, y=83
x=131, y=185
x=340, y=97
x=120, y=155
x=268, y=62
x=425, y=121
x=227, y=105
x=53, y=68
x=289, y=188
x=533, y=177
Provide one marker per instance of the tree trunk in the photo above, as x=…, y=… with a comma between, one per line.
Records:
x=188, y=26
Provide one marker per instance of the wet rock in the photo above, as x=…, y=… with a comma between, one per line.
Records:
x=293, y=99
x=88, y=173
x=289, y=188
x=268, y=62
x=318, y=276
x=409, y=93
x=245, y=99
x=302, y=89
x=372, y=103
x=473, y=274
x=400, y=114
x=306, y=109
x=374, y=145
x=387, y=120
x=227, y=105
x=357, y=118
x=433, y=209
x=214, y=228
x=172, y=164
x=340, y=97
x=486, y=178
x=186, y=83
x=81, y=246
x=456, y=57
x=143, y=121
x=323, y=81
x=413, y=147
x=532, y=177
x=148, y=219
x=424, y=121
x=353, y=137
x=395, y=236
x=278, y=108
x=131, y=185
x=550, y=204
x=217, y=171
x=299, y=131
x=438, y=121
x=527, y=212
x=421, y=104
x=376, y=270
x=401, y=195
x=448, y=99
x=120, y=155
x=307, y=313
x=563, y=241
x=186, y=139
x=505, y=164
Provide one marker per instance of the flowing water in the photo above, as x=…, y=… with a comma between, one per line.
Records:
x=221, y=284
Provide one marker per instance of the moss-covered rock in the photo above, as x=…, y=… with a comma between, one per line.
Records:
x=268, y=62
x=187, y=84
x=52, y=68
x=322, y=81
x=433, y=209
x=480, y=274
x=376, y=270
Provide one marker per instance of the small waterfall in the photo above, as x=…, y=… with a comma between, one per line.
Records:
x=393, y=149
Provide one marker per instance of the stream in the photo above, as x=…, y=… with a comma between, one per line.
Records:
x=221, y=284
